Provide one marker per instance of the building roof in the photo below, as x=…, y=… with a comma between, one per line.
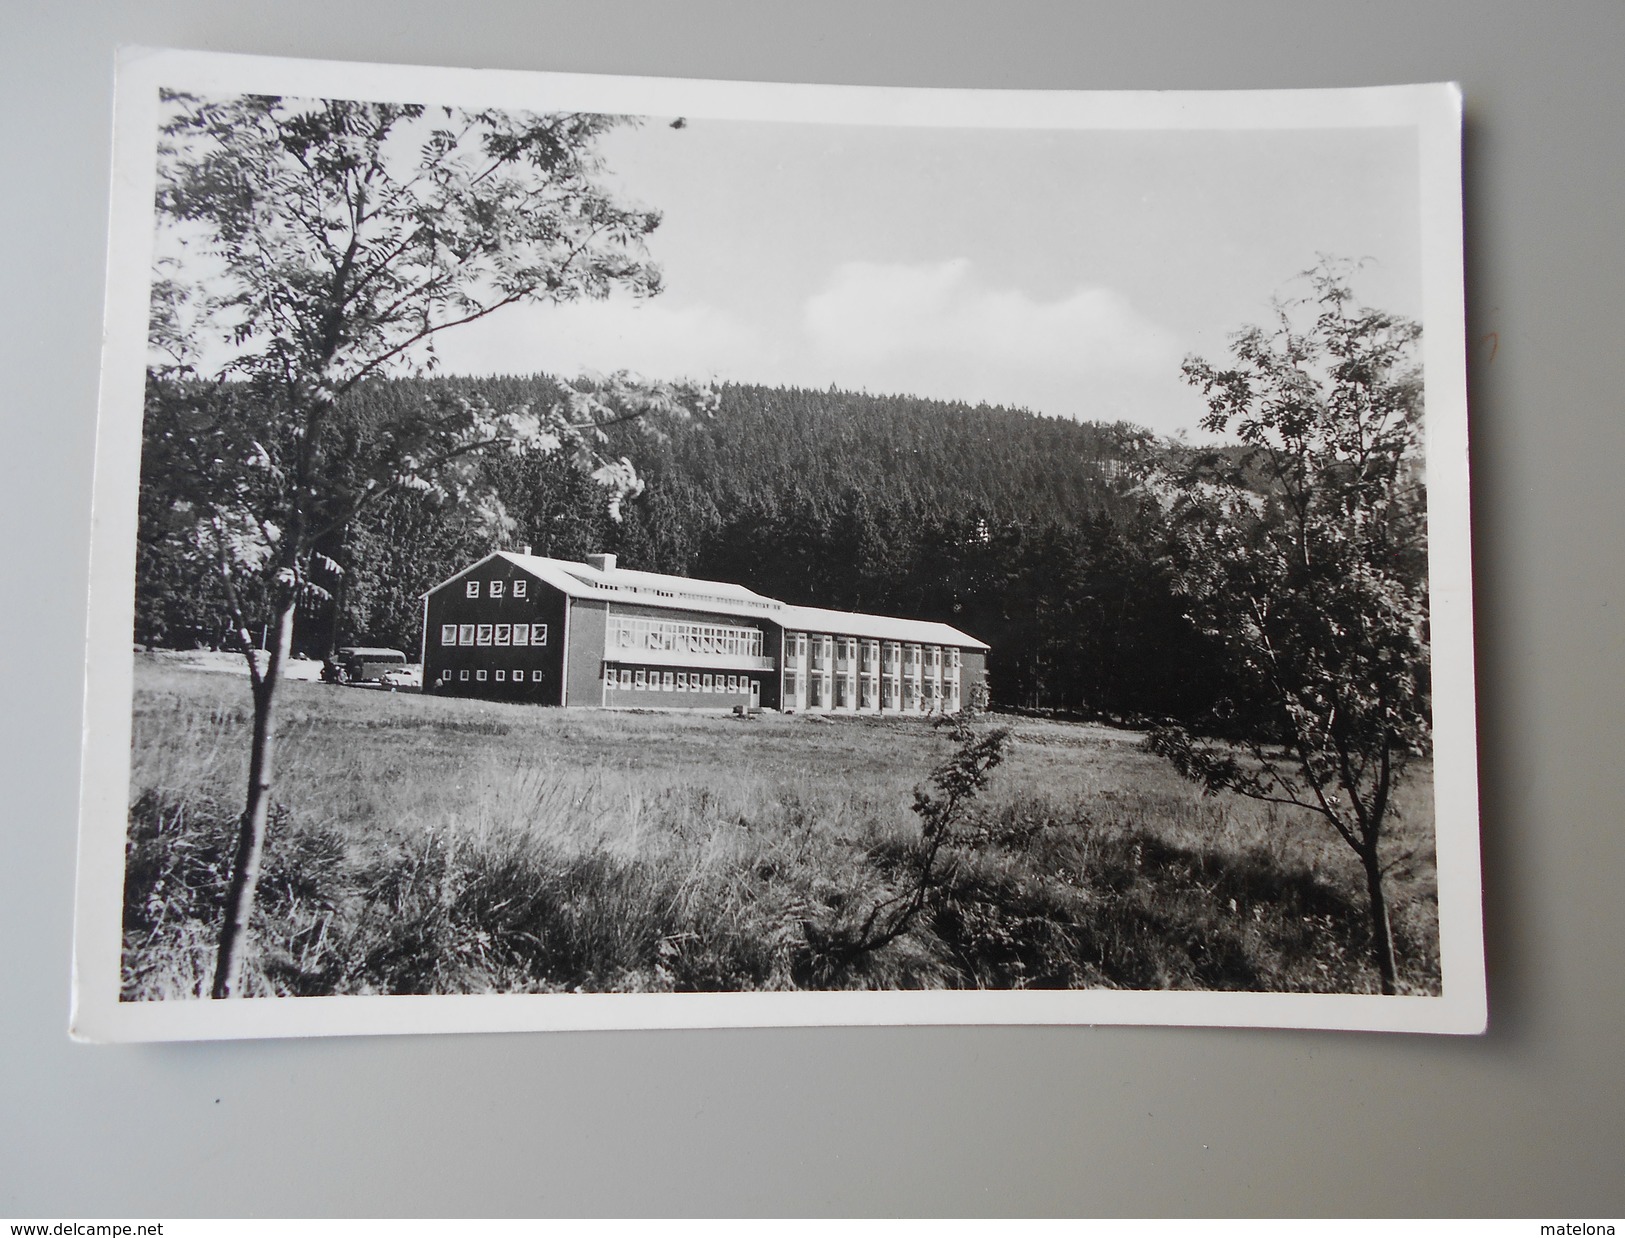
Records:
x=874, y=627
x=619, y=584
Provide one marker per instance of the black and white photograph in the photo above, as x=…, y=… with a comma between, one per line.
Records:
x=593, y=552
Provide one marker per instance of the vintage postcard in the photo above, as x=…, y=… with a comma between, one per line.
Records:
x=584, y=552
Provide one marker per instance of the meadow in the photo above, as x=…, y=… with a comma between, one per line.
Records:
x=426, y=845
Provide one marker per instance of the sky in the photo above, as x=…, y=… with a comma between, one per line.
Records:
x=1068, y=272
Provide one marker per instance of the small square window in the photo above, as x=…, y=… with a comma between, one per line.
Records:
x=521, y=633
x=536, y=677
x=484, y=637
x=462, y=676
x=503, y=631
x=519, y=588
x=496, y=588
x=501, y=676
x=448, y=633
x=445, y=675
x=480, y=675
x=538, y=633
x=472, y=589
x=465, y=633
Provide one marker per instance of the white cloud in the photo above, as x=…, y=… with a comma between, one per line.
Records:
x=873, y=310
x=935, y=329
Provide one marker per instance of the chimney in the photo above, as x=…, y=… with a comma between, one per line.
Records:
x=604, y=563
x=525, y=549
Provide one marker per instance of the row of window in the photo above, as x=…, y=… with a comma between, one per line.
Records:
x=823, y=693
x=628, y=632
x=493, y=634
x=675, y=681
x=496, y=588
x=847, y=649
x=502, y=675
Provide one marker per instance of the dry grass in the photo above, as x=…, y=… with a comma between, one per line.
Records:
x=431, y=845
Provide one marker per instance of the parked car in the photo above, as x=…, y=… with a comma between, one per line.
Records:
x=404, y=677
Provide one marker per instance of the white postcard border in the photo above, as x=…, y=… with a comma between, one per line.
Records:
x=1434, y=111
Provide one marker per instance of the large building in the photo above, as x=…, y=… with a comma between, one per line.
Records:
x=518, y=627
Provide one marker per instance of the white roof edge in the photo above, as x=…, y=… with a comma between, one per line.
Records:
x=459, y=572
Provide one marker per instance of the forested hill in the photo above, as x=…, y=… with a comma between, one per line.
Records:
x=931, y=457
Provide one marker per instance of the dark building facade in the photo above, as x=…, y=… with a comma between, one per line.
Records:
x=521, y=627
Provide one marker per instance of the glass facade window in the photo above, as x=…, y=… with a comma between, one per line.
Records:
x=671, y=635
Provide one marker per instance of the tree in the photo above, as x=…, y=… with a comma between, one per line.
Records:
x=309, y=246
x=1304, y=558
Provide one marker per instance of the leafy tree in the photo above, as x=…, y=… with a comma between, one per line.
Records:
x=309, y=246
x=1304, y=558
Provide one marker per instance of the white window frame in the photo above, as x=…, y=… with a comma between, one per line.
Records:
x=448, y=634
x=521, y=633
x=503, y=633
x=471, y=589
x=502, y=675
x=482, y=634
x=462, y=676
x=465, y=633
x=496, y=589
x=536, y=676
x=538, y=634
x=480, y=676
x=518, y=588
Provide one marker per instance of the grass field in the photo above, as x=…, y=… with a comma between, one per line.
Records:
x=421, y=844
